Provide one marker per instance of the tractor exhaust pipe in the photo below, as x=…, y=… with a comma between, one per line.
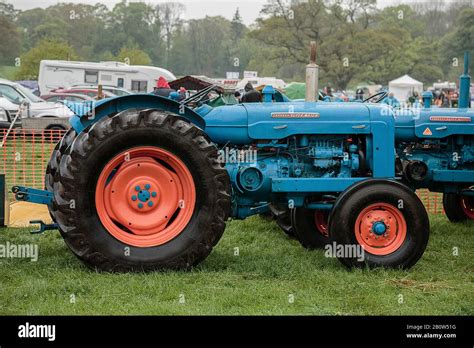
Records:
x=312, y=76
x=464, y=84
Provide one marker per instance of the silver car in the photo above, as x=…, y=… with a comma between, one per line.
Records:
x=12, y=95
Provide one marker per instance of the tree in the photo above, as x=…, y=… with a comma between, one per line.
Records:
x=460, y=39
x=134, y=24
x=288, y=27
x=238, y=29
x=46, y=49
x=170, y=15
x=10, y=47
x=133, y=56
x=8, y=10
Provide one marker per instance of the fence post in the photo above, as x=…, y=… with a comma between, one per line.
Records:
x=4, y=206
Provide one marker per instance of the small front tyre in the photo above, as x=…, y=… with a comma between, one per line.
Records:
x=458, y=208
x=379, y=223
x=310, y=227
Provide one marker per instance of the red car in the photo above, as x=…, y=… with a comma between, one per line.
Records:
x=86, y=91
x=59, y=97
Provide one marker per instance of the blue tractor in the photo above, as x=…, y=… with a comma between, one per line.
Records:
x=142, y=182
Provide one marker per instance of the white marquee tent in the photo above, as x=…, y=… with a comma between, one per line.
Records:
x=404, y=86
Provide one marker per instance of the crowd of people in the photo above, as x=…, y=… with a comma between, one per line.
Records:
x=251, y=95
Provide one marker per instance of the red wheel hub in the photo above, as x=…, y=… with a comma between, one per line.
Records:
x=467, y=205
x=145, y=196
x=380, y=229
x=321, y=222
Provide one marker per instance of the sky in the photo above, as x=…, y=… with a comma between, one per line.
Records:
x=249, y=9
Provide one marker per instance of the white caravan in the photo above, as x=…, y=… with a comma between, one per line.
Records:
x=65, y=74
x=260, y=81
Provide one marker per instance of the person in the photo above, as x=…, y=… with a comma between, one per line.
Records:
x=238, y=96
x=414, y=99
x=328, y=91
x=182, y=93
x=251, y=95
x=391, y=100
x=359, y=94
x=445, y=103
x=163, y=88
x=417, y=102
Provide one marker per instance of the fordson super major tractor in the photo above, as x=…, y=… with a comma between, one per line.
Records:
x=142, y=182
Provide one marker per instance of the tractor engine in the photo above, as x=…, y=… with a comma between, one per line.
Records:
x=252, y=168
x=420, y=160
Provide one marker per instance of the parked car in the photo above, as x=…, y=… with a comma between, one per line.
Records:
x=5, y=118
x=12, y=95
x=70, y=97
x=120, y=92
x=90, y=92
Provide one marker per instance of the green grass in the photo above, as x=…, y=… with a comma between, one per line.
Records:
x=8, y=72
x=260, y=280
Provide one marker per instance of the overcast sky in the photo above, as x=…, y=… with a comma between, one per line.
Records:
x=249, y=9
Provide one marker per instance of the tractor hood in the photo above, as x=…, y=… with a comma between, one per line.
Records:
x=245, y=123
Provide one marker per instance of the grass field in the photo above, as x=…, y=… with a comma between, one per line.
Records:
x=271, y=275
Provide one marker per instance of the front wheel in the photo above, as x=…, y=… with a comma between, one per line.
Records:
x=282, y=216
x=311, y=227
x=458, y=208
x=379, y=223
x=141, y=191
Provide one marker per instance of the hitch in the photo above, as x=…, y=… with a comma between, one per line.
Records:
x=28, y=194
x=43, y=227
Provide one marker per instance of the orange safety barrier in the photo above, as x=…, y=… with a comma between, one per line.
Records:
x=26, y=153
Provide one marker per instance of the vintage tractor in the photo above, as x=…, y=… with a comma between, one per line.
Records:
x=142, y=182
x=435, y=151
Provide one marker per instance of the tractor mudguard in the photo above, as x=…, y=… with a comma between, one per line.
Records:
x=89, y=113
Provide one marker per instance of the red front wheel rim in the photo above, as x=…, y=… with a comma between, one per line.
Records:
x=321, y=222
x=380, y=229
x=467, y=206
x=145, y=196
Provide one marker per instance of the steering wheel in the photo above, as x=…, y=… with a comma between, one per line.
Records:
x=381, y=96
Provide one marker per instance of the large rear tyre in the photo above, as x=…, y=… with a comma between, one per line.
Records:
x=310, y=227
x=384, y=218
x=141, y=191
x=52, y=168
x=458, y=208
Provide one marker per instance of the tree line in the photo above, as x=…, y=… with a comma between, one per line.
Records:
x=357, y=41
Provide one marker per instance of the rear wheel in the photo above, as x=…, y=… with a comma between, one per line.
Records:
x=385, y=219
x=52, y=168
x=458, y=208
x=141, y=191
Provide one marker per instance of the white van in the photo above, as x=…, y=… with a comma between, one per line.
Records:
x=65, y=74
x=260, y=81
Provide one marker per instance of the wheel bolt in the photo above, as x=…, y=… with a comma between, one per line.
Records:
x=134, y=198
x=140, y=205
